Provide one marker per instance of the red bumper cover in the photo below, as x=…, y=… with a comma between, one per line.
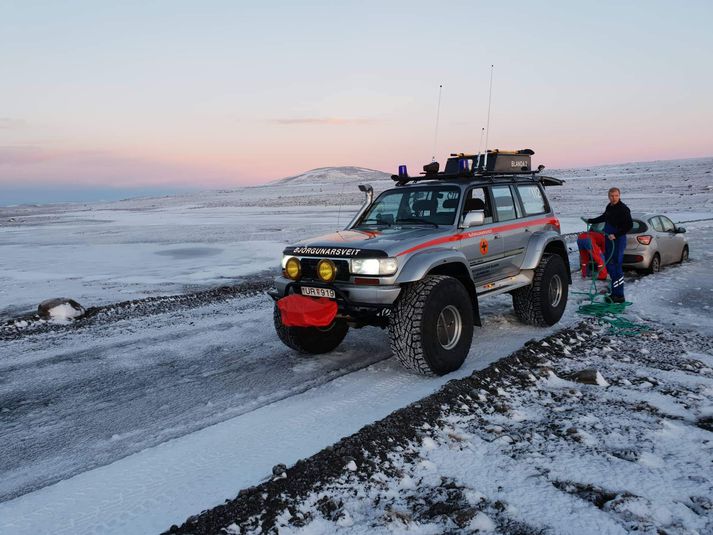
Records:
x=300, y=311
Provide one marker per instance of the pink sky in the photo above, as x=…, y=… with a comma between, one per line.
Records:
x=180, y=94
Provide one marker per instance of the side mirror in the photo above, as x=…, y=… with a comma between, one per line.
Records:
x=473, y=218
x=680, y=230
x=368, y=193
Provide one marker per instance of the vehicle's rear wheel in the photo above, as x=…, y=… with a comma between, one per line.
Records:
x=684, y=255
x=312, y=340
x=431, y=326
x=542, y=303
x=654, y=266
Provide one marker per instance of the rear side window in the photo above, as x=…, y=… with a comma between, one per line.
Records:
x=504, y=203
x=638, y=227
x=532, y=200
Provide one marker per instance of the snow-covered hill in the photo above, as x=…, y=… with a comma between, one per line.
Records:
x=334, y=176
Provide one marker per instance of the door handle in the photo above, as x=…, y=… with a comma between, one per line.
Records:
x=496, y=236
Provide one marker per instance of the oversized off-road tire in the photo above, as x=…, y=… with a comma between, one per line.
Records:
x=542, y=303
x=431, y=326
x=312, y=340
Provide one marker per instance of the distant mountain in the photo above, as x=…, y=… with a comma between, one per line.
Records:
x=333, y=175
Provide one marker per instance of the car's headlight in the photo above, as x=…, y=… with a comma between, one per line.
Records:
x=373, y=266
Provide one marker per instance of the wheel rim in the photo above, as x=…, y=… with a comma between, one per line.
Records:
x=449, y=327
x=555, y=290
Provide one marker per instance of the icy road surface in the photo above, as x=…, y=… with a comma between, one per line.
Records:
x=134, y=424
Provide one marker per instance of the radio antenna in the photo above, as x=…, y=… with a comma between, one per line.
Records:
x=438, y=116
x=480, y=146
x=487, y=125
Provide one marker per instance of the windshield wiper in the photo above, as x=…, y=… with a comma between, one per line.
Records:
x=416, y=220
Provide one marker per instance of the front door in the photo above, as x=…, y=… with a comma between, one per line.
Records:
x=481, y=246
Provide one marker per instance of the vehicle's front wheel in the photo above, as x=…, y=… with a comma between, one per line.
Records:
x=431, y=326
x=684, y=254
x=542, y=303
x=312, y=340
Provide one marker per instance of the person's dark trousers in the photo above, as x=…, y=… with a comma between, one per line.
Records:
x=615, y=261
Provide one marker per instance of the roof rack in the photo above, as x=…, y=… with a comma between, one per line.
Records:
x=505, y=166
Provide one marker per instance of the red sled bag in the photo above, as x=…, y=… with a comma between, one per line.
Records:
x=301, y=311
x=591, y=247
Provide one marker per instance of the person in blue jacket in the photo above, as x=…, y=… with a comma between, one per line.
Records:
x=617, y=222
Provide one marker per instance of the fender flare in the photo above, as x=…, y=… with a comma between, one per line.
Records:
x=546, y=241
x=441, y=261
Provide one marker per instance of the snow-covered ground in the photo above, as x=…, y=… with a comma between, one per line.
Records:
x=135, y=422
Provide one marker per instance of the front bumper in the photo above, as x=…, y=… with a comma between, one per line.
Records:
x=349, y=295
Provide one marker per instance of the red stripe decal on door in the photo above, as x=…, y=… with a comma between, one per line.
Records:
x=483, y=232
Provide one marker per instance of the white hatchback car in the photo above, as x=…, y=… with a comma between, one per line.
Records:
x=654, y=241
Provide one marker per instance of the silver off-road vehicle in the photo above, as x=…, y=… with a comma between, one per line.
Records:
x=418, y=258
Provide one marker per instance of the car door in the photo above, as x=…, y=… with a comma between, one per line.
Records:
x=507, y=212
x=482, y=248
x=656, y=231
x=671, y=248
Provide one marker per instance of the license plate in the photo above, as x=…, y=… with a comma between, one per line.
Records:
x=318, y=292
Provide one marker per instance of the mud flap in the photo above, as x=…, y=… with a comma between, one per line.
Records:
x=301, y=311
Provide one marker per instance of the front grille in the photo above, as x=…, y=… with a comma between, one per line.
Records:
x=309, y=269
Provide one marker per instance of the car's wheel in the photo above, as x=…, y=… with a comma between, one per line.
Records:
x=684, y=255
x=542, y=303
x=431, y=326
x=655, y=265
x=312, y=340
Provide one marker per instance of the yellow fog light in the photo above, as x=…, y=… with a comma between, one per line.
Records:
x=293, y=269
x=326, y=270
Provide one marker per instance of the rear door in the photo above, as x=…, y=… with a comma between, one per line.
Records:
x=514, y=237
x=536, y=216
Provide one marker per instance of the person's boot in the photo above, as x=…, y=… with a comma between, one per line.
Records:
x=618, y=299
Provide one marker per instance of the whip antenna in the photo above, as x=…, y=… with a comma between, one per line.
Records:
x=487, y=124
x=438, y=116
x=480, y=146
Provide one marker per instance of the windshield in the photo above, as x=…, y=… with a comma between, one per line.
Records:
x=432, y=206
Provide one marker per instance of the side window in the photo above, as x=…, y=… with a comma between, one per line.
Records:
x=532, y=200
x=638, y=227
x=668, y=225
x=477, y=199
x=504, y=203
x=656, y=223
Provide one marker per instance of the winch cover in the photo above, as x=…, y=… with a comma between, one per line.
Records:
x=301, y=311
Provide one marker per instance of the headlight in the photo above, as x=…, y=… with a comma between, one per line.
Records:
x=293, y=268
x=326, y=270
x=373, y=266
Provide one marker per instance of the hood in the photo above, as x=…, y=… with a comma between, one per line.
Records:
x=367, y=243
